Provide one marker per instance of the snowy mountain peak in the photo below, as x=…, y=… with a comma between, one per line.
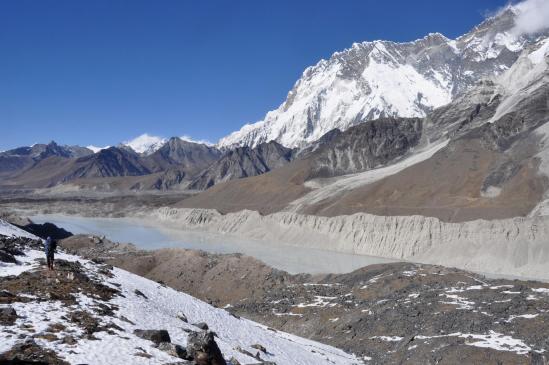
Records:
x=96, y=149
x=145, y=143
x=383, y=79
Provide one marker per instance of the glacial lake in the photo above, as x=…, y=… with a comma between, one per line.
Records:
x=293, y=259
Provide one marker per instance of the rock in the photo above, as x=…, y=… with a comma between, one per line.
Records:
x=8, y=316
x=201, y=325
x=182, y=317
x=6, y=294
x=245, y=352
x=69, y=340
x=173, y=349
x=46, y=230
x=259, y=347
x=243, y=162
x=6, y=257
x=156, y=336
x=537, y=359
x=234, y=361
x=202, y=347
x=29, y=352
x=140, y=294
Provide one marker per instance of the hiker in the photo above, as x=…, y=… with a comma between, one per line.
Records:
x=50, y=245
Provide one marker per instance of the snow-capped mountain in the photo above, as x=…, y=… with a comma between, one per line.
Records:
x=382, y=78
x=145, y=143
x=96, y=149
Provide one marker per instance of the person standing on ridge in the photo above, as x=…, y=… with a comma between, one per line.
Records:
x=50, y=245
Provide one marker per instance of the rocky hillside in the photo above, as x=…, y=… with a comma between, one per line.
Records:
x=21, y=158
x=87, y=312
x=243, y=162
x=390, y=313
x=190, y=156
x=382, y=78
x=366, y=146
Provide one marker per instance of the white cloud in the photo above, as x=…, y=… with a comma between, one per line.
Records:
x=532, y=17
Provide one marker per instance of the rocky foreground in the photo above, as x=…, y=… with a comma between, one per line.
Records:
x=89, y=312
x=391, y=313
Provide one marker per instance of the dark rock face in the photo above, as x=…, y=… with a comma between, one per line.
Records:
x=201, y=325
x=47, y=230
x=156, y=336
x=243, y=162
x=367, y=146
x=109, y=162
x=8, y=315
x=11, y=247
x=7, y=257
x=169, y=178
x=173, y=349
x=202, y=347
x=326, y=139
x=187, y=156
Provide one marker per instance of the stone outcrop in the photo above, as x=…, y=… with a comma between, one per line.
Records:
x=366, y=146
x=156, y=336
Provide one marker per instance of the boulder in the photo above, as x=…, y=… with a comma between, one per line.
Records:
x=182, y=317
x=156, y=336
x=201, y=325
x=8, y=315
x=259, y=347
x=6, y=294
x=173, y=349
x=47, y=230
x=203, y=349
x=7, y=257
x=139, y=293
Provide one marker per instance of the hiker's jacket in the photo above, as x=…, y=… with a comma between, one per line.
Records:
x=50, y=246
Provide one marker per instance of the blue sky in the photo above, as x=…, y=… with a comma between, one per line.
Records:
x=100, y=72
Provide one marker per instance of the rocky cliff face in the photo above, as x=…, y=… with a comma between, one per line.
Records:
x=366, y=146
x=518, y=246
x=243, y=162
x=193, y=157
x=107, y=163
x=381, y=78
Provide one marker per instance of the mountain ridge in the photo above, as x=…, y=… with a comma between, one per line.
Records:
x=359, y=83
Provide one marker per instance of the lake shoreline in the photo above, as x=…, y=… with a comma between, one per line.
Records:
x=281, y=256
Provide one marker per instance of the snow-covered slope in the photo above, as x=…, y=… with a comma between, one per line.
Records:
x=138, y=303
x=145, y=143
x=383, y=78
x=10, y=230
x=528, y=74
x=96, y=149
